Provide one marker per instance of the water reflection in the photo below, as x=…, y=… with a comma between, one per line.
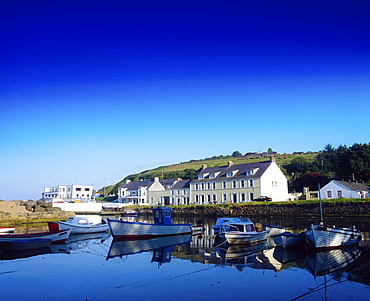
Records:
x=192, y=259
x=160, y=246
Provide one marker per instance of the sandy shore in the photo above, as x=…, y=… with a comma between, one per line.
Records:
x=12, y=207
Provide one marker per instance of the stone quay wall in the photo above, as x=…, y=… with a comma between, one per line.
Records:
x=274, y=210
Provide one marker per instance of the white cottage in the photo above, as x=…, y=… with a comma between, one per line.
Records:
x=337, y=189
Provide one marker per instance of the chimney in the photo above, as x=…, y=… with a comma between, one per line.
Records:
x=229, y=163
x=128, y=181
x=156, y=179
x=272, y=159
x=204, y=166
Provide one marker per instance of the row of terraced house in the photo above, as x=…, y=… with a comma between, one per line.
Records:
x=213, y=185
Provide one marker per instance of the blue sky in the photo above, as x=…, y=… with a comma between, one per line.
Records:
x=92, y=91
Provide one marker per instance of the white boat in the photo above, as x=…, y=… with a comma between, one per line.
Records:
x=81, y=225
x=289, y=240
x=242, y=233
x=6, y=229
x=325, y=237
x=162, y=226
x=221, y=221
x=273, y=230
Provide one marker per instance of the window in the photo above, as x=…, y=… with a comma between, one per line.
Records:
x=274, y=183
x=229, y=174
x=87, y=189
x=202, y=185
x=78, y=189
x=329, y=194
x=224, y=184
x=213, y=185
x=242, y=197
x=178, y=192
x=250, y=183
x=224, y=197
x=196, y=186
x=340, y=193
x=251, y=196
x=197, y=199
x=208, y=198
x=184, y=192
x=208, y=186
x=234, y=184
x=242, y=183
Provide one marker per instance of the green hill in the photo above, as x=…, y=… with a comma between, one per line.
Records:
x=188, y=170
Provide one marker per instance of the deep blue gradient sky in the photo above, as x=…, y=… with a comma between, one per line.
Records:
x=92, y=91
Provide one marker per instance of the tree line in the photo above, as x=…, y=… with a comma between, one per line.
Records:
x=342, y=163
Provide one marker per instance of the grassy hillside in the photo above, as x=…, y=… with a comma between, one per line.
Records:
x=187, y=170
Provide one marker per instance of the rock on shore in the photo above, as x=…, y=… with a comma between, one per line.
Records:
x=13, y=211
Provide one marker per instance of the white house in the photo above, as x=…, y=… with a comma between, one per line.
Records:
x=336, y=189
x=146, y=192
x=68, y=193
x=239, y=183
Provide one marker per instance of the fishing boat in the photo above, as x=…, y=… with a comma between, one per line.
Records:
x=221, y=221
x=162, y=226
x=81, y=225
x=273, y=230
x=199, y=227
x=322, y=236
x=289, y=240
x=325, y=237
x=6, y=229
x=54, y=234
x=242, y=233
x=129, y=213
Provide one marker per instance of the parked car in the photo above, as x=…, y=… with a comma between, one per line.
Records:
x=262, y=199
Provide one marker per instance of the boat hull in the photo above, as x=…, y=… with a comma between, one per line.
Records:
x=245, y=237
x=56, y=237
x=273, y=230
x=20, y=245
x=126, y=230
x=323, y=237
x=6, y=229
x=83, y=229
x=289, y=240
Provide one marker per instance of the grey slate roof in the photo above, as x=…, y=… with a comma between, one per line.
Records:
x=182, y=184
x=135, y=185
x=354, y=186
x=240, y=168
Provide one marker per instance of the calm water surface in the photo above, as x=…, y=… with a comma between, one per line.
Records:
x=93, y=267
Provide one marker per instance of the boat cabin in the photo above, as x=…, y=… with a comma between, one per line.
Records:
x=239, y=227
x=162, y=215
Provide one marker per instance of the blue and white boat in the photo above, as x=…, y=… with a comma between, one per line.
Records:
x=162, y=226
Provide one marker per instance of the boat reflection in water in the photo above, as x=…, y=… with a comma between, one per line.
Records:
x=326, y=262
x=161, y=247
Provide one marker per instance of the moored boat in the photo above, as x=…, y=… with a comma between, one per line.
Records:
x=6, y=229
x=56, y=235
x=242, y=233
x=325, y=237
x=289, y=240
x=81, y=225
x=221, y=221
x=273, y=230
x=162, y=226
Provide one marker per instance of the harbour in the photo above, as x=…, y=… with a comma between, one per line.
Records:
x=197, y=267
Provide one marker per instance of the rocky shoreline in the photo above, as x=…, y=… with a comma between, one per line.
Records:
x=31, y=211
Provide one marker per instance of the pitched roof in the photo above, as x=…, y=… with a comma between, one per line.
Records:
x=182, y=184
x=354, y=186
x=136, y=184
x=239, y=170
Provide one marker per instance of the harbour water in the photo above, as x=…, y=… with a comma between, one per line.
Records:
x=93, y=267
